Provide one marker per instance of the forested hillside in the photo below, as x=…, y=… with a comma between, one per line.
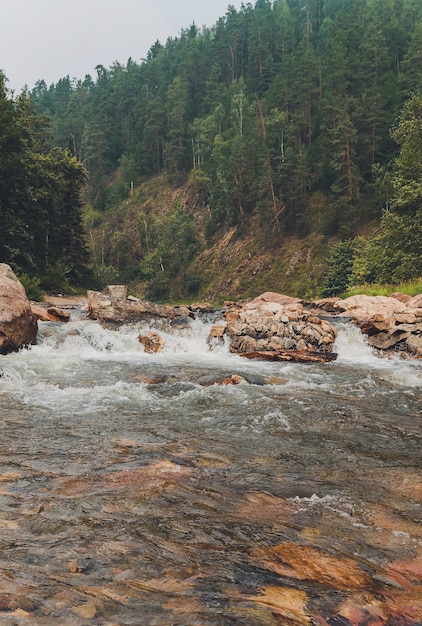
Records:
x=286, y=120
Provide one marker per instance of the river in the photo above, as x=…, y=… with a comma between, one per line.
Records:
x=134, y=492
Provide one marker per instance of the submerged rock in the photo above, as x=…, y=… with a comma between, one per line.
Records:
x=18, y=325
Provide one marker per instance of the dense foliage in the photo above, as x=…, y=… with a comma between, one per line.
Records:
x=41, y=232
x=283, y=111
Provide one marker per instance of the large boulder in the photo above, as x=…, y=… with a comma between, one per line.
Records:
x=18, y=325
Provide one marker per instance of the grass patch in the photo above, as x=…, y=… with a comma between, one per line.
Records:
x=412, y=288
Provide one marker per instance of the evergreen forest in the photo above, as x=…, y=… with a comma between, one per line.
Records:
x=286, y=121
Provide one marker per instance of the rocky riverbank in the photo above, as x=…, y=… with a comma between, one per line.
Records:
x=273, y=326
x=389, y=323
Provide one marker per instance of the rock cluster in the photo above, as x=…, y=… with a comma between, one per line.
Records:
x=390, y=323
x=18, y=325
x=112, y=305
x=280, y=332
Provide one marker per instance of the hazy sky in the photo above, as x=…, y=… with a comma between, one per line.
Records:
x=51, y=39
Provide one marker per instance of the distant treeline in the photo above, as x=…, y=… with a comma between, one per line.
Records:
x=274, y=103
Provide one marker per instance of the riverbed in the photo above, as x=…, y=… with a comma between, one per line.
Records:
x=135, y=492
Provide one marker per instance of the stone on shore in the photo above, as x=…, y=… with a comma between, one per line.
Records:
x=18, y=325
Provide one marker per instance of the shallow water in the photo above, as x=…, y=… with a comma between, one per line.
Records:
x=292, y=499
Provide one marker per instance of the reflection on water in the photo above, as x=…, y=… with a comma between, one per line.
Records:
x=292, y=499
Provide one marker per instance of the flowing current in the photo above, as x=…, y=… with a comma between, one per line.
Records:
x=135, y=491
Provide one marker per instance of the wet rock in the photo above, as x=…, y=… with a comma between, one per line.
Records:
x=40, y=313
x=216, y=336
x=151, y=341
x=386, y=340
x=329, y=305
x=231, y=379
x=289, y=604
x=18, y=325
x=148, y=380
x=58, y=315
x=297, y=356
x=183, y=311
x=363, y=609
x=414, y=344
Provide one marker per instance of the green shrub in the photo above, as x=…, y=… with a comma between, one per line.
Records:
x=340, y=266
x=32, y=287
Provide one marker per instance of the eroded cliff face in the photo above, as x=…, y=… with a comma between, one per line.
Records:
x=18, y=325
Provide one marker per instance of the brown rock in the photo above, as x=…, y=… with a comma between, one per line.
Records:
x=233, y=379
x=217, y=331
x=414, y=343
x=308, y=563
x=216, y=336
x=243, y=344
x=40, y=313
x=231, y=315
x=289, y=604
x=151, y=341
x=18, y=325
x=401, y=297
x=298, y=356
x=386, y=340
x=312, y=319
x=363, y=609
x=405, y=318
x=58, y=315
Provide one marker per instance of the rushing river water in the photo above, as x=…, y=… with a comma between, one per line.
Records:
x=134, y=492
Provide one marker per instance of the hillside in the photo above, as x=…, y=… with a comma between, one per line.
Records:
x=235, y=262
x=280, y=148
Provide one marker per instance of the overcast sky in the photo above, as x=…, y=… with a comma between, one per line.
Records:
x=50, y=39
